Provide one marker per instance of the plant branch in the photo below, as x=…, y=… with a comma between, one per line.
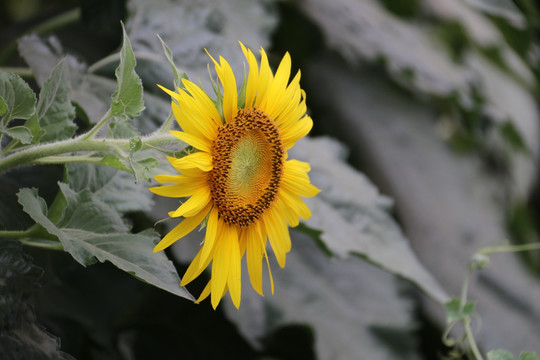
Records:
x=115, y=58
x=90, y=134
x=510, y=248
x=35, y=153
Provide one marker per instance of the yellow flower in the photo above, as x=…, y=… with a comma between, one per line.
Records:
x=239, y=179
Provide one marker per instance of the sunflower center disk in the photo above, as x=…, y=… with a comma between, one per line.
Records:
x=248, y=161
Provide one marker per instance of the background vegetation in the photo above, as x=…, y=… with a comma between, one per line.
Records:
x=425, y=146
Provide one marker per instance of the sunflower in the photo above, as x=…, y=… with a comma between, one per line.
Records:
x=238, y=179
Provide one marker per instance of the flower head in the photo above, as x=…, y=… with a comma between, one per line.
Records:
x=239, y=179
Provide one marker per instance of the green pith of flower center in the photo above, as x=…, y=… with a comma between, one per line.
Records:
x=248, y=161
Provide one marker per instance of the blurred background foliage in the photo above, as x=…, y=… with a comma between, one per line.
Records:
x=435, y=102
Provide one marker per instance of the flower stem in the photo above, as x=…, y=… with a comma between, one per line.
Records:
x=90, y=134
x=36, y=153
x=32, y=154
x=115, y=58
x=510, y=248
x=166, y=125
x=24, y=72
x=15, y=234
x=43, y=244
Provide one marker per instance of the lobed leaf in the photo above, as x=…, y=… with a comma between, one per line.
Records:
x=127, y=100
x=114, y=187
x=54, y=110
x=90, y=230
x=352, y=216
x=21, y=133
x=499, y=354
x=455, y=311
x=17, y=100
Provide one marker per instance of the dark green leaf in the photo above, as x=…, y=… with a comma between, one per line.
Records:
x=499, y=354
x=21, y=133
x=512, y=136
x=17, y=100
x=91, y=230
x=127, y=100
x=54, y=109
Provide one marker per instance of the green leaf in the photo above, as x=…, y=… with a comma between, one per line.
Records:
x=21, y=133
x=499, y=354
x=178, y=76
x=17, y=100
x=512, y=136
x=353, y=217
x=54, y=110
x=529, y=355
x=127, y=100
x=456, y=312
x=143, y=164
x=32, y=124
x=120, y=128
x=91, y=230
x=114, y=187
x=3, y=107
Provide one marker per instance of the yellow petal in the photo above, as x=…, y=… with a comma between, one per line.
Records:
x=176, y=191
x=278, y=86
x=297, y=131
x=207, y=105
x=294, y=202
x=195, y=268
x=288, y=212
x=200, y=159
x=193, y=140
x=234, y=280
x=253, y=76
x=205, y=292
x=254, y=257
x=221, y=263
x=278, y=234
x=212, y=231
x=230, y=91
x=194, y=204
x=174, y=95
x=299, y=186
x=265, y=79
x=182, y=229
x=192, y=119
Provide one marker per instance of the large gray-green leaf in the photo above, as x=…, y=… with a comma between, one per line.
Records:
x=353, y=217
x=91, y=230
x=91, y=93
x=127, y=100
x=17, y=100
x=189, y=27
x=413, y=56
x=449, y=205
x=54, y=110
x=351, y=306
x=114, y=187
